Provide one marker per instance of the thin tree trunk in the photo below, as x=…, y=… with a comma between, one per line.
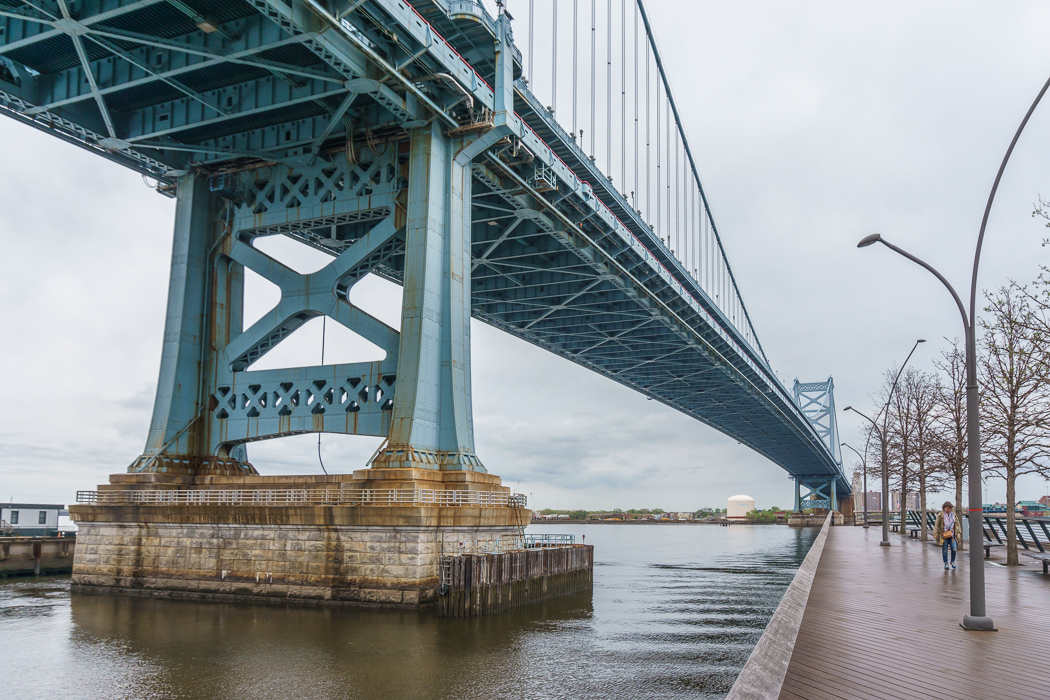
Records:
x=904, y=512
x=922, y=506
x=1011, y=516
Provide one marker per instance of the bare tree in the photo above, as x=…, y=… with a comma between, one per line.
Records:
x=920, y=392
x=950, y=444
x=1015, y=420
x=899, y=439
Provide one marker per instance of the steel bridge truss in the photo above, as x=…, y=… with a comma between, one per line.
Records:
x=403, y=144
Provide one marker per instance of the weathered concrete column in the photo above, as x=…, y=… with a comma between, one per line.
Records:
x=432, y=425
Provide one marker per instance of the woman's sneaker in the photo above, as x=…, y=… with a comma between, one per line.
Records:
x=953, y=564
x=946, y=565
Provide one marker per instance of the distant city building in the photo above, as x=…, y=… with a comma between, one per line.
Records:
x=685, y=516
x=1045, y=500
x=895, y=501
x=999, y=508
x=31, y=519
x=1032, y=509
x=737, y=507
x=874, y=498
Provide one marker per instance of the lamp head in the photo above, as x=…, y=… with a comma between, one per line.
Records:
x=920, y=340
x=869, y=240
x=848, y=408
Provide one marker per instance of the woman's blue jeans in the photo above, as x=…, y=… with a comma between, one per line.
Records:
x=949, y=543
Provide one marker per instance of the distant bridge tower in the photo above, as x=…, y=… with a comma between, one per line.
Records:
x=816, y=400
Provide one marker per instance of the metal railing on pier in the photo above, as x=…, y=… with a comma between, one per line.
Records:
x=549, y=540
x=272, y=497
x=507, y=543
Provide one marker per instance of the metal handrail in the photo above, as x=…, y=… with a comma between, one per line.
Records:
x=264, y=497
x=507, y=543
x=549, y=540
x=1028, y=537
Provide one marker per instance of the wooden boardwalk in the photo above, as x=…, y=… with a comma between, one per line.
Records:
x=883, y=622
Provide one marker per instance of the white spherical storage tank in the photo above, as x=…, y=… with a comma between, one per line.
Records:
x=737, y=507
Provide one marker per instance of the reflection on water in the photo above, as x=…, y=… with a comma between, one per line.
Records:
x=675, y=612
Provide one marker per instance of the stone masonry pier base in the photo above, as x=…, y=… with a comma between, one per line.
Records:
x=385, y=555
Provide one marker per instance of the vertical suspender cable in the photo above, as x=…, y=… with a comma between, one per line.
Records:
x=648, y=156
x=659, y=182
x=667, y=147
x=532, y=26
x=554, y=60
x=608, y=90
x=594, y=57
x=677, y=183
x=687, y=207
x=691, y=208
x=623, y=95
x=682, y=199
x=637, y=184
x=575, y=63
x=696, y=235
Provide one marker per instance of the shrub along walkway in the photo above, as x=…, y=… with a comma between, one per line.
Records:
x=883, y=622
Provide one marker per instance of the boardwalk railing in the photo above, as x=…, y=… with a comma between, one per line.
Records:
x=1032, y=533
x=268, y=497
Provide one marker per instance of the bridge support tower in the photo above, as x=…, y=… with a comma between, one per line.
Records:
x=192, y=516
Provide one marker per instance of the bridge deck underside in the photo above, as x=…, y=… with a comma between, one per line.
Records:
x=534, y=284
x=232, y=82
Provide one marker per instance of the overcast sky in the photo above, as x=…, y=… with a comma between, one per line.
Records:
x=814, y=124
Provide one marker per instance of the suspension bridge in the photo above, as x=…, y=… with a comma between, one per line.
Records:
x=544, y=186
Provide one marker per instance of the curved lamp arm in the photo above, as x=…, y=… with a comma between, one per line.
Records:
x=874, y=425
x=877, y=238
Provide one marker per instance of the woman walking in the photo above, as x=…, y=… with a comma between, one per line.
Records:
x=948, y=531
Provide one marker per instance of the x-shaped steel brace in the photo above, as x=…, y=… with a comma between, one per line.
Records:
x=322, y=293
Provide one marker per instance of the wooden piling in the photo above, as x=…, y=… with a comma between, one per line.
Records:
x=486, y=584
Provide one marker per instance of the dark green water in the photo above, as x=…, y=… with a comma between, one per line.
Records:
x=675, y=612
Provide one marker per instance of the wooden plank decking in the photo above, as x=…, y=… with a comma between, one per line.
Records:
x=883, y=622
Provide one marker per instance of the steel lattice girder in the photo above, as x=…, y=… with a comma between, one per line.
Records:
x=574, y=270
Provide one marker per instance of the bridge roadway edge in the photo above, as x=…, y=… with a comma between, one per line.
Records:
x=763, y=675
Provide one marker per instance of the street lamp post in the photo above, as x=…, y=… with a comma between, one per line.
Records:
x=864, y=472
x=882, y=440
x=978, y=619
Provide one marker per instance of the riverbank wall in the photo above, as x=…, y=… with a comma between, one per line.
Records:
x=474, y=585
x=26, y=556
